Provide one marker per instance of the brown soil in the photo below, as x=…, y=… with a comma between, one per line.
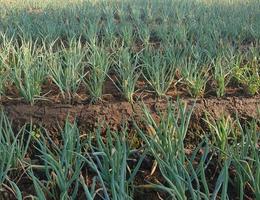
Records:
x=116, y=113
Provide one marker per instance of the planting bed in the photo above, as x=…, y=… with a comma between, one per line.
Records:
x=122, y=100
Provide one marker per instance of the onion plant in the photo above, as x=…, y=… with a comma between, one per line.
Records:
x=158, y=72
x=249, y=77
x=13, y=149
x=109, y=160
x=62, y=166
x=126, y=32
x=5, y=51
x=222, y=68
x=109, y=31
x=170, y=132
x=221, y=131
x=90, y=192
x=246, y=160
x=183, y=178
x=7, y=148
x=91, y=31
x=99, y=64
x=39, y=187
x=246, y=70
x=67, y=67
x=127, y=74
x=28, y=71
x=3, y=79
x=144, y=34
x=195, y=76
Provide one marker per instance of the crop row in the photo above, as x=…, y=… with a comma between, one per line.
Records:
x=107, y=165
x=27, y=66
x=205, y=23
x=192, y=43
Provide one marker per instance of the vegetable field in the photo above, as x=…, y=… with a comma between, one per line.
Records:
x=130, y=99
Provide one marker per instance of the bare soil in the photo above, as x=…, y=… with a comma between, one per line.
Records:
x=116, y=113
